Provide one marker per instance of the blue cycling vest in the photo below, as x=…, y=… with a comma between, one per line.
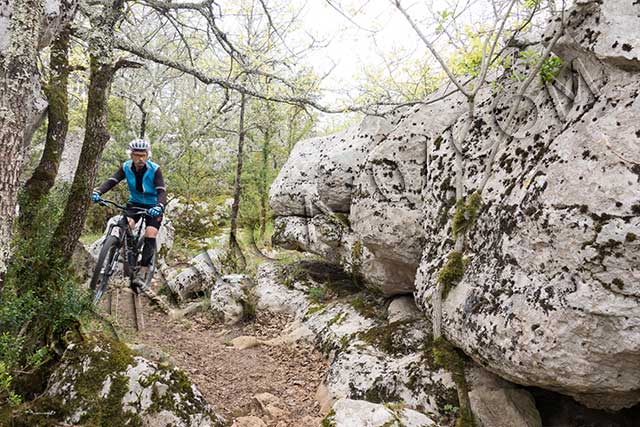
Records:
x=150, y=194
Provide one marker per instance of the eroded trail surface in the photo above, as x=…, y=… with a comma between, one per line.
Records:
x=230, y=378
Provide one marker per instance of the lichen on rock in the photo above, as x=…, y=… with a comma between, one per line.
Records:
x=101, y=382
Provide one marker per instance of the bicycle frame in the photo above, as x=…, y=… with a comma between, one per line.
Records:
x=129, y=238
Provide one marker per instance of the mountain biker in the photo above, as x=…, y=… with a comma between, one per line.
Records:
x=146, y=191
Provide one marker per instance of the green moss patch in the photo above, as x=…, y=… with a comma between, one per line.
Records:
x=330, y=419
x=466, y=214
x=391, y=338
x=448, y=357
x=452, y=272
x=368, y=305
x=96, y=372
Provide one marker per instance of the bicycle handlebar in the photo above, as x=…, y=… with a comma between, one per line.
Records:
x=133, y=209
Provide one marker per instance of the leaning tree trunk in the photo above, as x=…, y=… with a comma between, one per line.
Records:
x=102, y=70
x=237, y=191
x=16, y=90
x=95, y=138
x=43, y=178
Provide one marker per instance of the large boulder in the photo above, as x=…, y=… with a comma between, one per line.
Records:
x=498, y=403
x=386, y=211
x=553, y=261
x=101, y=382
x=230, y=300
x=374, y=172
x=609, y=31
x=324, y=169
x=552, y=265
x=341, y=162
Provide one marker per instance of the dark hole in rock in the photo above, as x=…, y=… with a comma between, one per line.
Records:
x=558, y=410
x=330, y=274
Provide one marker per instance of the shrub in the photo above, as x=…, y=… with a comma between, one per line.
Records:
x=39, y=303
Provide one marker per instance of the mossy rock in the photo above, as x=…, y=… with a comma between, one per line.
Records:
x=100, y=382
x=392, y=338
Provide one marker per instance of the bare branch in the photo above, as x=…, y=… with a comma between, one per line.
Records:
x=431, y=48
x=126, y=63
x=512, y=112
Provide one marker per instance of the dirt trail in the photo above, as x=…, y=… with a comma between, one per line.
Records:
x=230, y=378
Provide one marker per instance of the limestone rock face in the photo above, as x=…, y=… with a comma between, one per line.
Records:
x=386, y=208
x=296, y=185
x=324, y=169
x=552, y=272
x=228, y=298
x=358, y=413
x=273, y=296
x=497, y=403
x=552, y=264
x=371, y=359
x=320, y=235
x=402, y=309
x=341, y=161
x=609, y=30
x=375, y=172
x=102, y=382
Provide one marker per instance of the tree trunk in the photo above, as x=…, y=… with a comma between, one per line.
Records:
x=96, y=137
x=16, y=90
x=235, y=208
x=43, y=178
x=264, y=190
x=143, y=118
x=102, y=69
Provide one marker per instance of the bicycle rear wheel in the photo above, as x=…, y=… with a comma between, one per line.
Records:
x=104, y=267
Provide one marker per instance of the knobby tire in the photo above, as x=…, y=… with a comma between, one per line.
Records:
x=100, y=278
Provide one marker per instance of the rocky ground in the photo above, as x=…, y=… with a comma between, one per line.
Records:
x=275, y=384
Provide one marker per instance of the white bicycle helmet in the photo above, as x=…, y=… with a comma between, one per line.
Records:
x=139, y=145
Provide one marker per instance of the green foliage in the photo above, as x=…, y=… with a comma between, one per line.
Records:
x=317, y=294
x=467, y=61
x=249, y=304
x=450, y=409
x=40, y=301
x=6, y=380
x=401, y=79
x=118, y=121
x=531, y=4
x=448, y=357
x=390, y=338
x=550, y=69
x=196, y=219
x=330, y=419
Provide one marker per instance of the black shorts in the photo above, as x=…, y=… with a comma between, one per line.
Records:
x=153, y=221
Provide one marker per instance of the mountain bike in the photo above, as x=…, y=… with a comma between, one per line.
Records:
x=121, y=240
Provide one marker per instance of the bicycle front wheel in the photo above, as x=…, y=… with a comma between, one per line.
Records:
x=104, y=267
